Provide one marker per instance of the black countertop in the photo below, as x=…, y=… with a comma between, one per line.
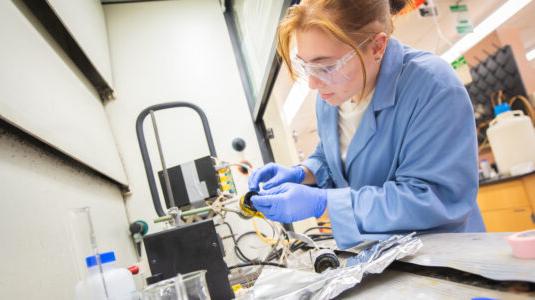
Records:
x=501, y=179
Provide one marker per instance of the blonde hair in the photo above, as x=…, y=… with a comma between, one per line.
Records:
x=349, y=21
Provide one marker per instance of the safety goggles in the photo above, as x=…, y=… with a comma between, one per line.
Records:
x=328, y=73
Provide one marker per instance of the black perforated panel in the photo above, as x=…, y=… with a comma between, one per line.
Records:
x=498, y=71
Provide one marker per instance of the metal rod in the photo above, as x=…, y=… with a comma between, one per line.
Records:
x=93, y=239
x=186, y=213
x=162, y=159
x=196, y=211
x=145, y=153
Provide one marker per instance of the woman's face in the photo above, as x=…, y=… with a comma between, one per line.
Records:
x=314, y=46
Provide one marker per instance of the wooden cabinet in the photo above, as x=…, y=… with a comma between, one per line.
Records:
x=508, y=205
x=529, y=184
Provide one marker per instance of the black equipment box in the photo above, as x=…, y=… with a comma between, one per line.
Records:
x=190, y=248
x=188, y=179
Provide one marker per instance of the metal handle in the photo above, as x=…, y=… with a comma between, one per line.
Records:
x=143, y=144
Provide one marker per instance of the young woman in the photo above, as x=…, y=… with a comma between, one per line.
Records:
x=398, y=148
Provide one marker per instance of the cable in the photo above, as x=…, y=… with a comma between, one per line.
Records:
x=225, y=165
x=276, y=252
x=278, y=238
x=299, y=244
x=527, y=105
x=242, y=236
x=441, y=35
x=317, y=227
x=256, y=264
x=241, y=165
x=296, y=245
x=263, y=237
x=237, y=250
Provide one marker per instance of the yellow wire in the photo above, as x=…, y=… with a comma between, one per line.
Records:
x=266, y=240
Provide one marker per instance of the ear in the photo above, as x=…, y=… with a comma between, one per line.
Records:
x=378, y=44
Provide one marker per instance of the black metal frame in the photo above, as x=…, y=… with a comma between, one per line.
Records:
x=52, y=23
x=145, y=153
x=257, y=108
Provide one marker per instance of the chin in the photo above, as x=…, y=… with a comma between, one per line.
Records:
x=334, y=101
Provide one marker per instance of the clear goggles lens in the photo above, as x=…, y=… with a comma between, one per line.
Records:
x=330, y=74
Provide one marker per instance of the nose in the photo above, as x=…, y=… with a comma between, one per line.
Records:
x=314, y=82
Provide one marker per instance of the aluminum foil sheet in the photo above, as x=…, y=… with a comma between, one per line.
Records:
x=281, y=283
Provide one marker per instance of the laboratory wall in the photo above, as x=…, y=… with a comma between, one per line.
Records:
x=46, y=95
x=42, y=256
x=41, y=185
x=166, y=51
x=85, y=21
x=160, y=51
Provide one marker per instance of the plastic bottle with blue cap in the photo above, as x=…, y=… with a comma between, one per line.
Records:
x=113, y=283
x=512, y=140
x=501, y=108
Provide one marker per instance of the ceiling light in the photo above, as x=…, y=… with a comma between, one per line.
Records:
x=497, y=18
x=531, y=54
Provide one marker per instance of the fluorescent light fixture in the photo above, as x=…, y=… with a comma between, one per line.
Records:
x=531, y=54
x=497, y=18
x=295, y=99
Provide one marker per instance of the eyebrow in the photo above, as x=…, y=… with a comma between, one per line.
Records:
x=316, y=59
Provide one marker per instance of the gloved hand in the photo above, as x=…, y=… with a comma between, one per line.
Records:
x=290, y=202
x=274, y=174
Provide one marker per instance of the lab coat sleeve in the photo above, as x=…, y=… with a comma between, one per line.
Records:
x=436, y=181
x=317, y=164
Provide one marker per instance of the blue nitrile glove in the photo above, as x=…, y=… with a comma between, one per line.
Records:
x=274, y=174
x=290, y=202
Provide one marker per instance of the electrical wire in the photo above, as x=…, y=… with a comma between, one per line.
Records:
x=262, y=236
x=259, y=263
x=244, y=234
x=246, y=167
x=299, y=244
x=284, y=240
x=527, y=105
x=296, y=245
x=317, y=227
x=225, y=165
x=237, y=249
x=279, y=237
x=241, y=237
x=441, y=35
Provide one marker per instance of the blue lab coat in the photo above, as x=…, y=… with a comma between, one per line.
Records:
x=412, y=164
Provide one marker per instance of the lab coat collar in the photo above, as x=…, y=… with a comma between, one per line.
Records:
x=383, y=97
x=391, y=66
x=332, y=144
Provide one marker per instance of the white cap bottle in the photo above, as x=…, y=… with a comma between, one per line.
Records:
x=119, y=282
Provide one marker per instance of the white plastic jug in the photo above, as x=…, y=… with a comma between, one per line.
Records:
x=119, y=282
x=512, y=140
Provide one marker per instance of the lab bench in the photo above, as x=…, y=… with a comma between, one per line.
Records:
x=442, y=266
x=453, y=266
x=508, y=203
